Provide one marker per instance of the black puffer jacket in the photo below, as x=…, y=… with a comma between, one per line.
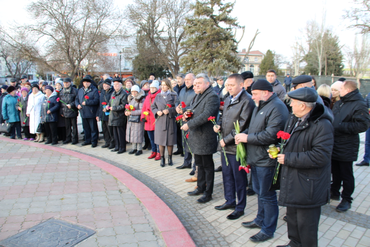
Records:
x=68, y=96
x=202, y=138
x=117, y=103
x=351, y=117
x=305, y=175
x=104, y=97
x=241, y=109
x=267, y=120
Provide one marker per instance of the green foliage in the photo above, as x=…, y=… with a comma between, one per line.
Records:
x=268, y=62
x=212, y=47
x=332, y=57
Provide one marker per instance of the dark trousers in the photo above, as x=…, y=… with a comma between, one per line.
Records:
x=51, y=131
x=303, y=225
x=367, y=146
x=342, y=171
x=206, y=173
x=235, y=182
x=179, y=138
x=147, y=140
x=91, y=130
x=287, y=88
x=71, y=129
x=15, y=127
x=155, y=147
x=119, y=133
x=107, y=133
x=26, y=131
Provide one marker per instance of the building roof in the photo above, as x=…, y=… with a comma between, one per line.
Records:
x=256, y=52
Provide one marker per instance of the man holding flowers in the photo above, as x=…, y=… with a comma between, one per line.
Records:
x=269, y=117
x=238, y=107
x=103, y=113
x=305, y=166
x=67, y=98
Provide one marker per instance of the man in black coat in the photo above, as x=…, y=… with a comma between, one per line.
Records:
x=103, y=113
x=87, y=101
x=186, y=95
x=180, y=86
x=351, y=117
x=117, y=117
x=238, y=107
x=202, y=139
x=305, y=166
x=220, y=86
x=69, y=110
x=268, y=118
x=248, y=81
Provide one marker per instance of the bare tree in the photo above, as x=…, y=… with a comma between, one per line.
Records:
x=251, y=43
x=298, y=55
x=359, y=57
x=67, y=31
x=316, y=41
x=360, y=16
x=162, y=22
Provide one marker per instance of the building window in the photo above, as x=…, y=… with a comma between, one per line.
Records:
x=246, y=60
x=256, y=59
x=251, y=68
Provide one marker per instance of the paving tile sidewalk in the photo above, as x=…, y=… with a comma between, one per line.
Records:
x=209, y=227
x=37, y=184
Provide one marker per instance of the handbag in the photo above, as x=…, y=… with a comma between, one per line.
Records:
x=40, y=128
x=134, y=119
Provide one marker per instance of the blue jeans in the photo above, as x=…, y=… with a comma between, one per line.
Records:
x=268, y=210
x=151, y=138
x=367, y=146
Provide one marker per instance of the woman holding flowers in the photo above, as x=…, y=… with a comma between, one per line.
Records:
x=50, y=114
x=165, y=126
x=135, y=127
x=22, y=108
x=149, y=118
x=35, y=100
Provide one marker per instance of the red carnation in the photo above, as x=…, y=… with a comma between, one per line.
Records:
x=98, y=91
x=24, y=122
x=48, y=101
x=58, y=99
x=211, y=118
x=283, y=135
x=87, y=97
x=104, y=103
x=183, y=105
x=57, y=91
x=179, y=118
x=187, y=136
x=19, y=99
x=222, y=103
x=169, y=105
x=113, y=97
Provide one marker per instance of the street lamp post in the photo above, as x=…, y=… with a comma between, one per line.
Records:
x=120, y=74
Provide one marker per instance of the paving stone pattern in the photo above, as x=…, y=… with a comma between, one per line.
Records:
x=38, y=184
x=209, y=227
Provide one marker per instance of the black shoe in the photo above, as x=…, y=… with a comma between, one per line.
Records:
x=54, y=143
x=74, y=143
x=192, y=173
x=83, y=132
x=235, y=215
x=121, y=151
x=196, y=192
x=250, y=192
x=204, y=199
x=94, y=145
x=111, y=147
x=250, y=224
x=363, y=163
x=66, y=142
x=219, y=169
x=225, y=206
x=85, y=144
x=183, y=166
x=163, y=161
x=149, y=147
x=105, y=146
x=260, y=237
x=343, y=206
x=285, y=218
x=170, y=163
x=48, y=142
x=115, y=150
x=145, y=147
x=177, y=152
x=334, y=197
x=132, y=151
x=182, y=155
x=139, y=153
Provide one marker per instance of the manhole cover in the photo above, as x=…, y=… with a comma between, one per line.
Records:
x=50, y=233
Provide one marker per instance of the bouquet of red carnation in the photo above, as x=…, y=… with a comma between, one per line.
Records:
x=58, y=99
x=213, y=120
x=129, y=107
x=183, y=105
x=104, y=104
x=222, y=103
x=284, y=136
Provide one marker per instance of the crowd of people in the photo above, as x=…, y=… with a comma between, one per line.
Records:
x=316, y=132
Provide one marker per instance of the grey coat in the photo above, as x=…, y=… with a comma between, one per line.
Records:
x=279, y=89
x=165, y=125
x=24, y=103
x=202, y=139
x=186, y=95
x=135, y=131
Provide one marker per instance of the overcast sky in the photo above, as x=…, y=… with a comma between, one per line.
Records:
x=280, y=22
